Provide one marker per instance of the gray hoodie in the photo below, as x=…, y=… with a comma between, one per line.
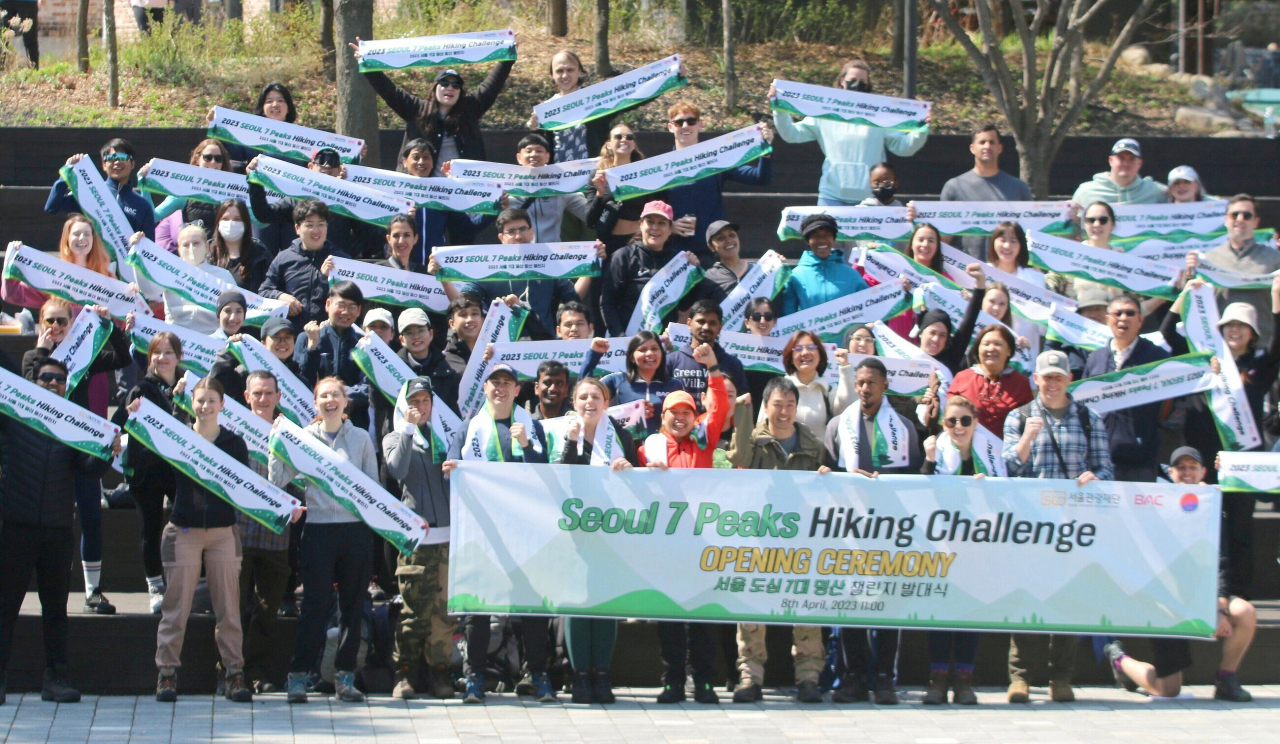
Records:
x=352, y=444
x=422, y=483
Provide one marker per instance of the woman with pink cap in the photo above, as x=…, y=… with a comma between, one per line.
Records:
x=631, y=268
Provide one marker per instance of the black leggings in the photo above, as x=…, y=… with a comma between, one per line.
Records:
x=150, y=503
x=531, y=629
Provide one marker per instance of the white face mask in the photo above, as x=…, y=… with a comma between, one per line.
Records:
x=231, y=229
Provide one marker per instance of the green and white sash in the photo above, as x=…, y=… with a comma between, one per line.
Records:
x=1025, y=299
x=851, y=107
x=1136, y=223
x=1112, y=268
x=235, y=417
x=933, y=296
x=84, y=340
x=1228, y=279
x=526, y=356
x=690, y=164
x=765, y=278
x=1169, y=252
x=606, y=446
x=53, y=276
x=193, y=182
x=1068, y=327
x=889, y=265
x=907, y=377
x=1231, y=412
x=385, y=369
x=100, y=206
x=662, y=293
x=348, y=485
x=450, y=194
x=1249, y=472
x=482, y=441
x=297, y=402
x=890, y=442
x=391, y=286
x=343, y=197
x=517, y=262
x=852, y=223
x=630, y=416
x=195, y=285
x=445, y=50
x=55, y=416
x=1145, y=383
x=501, y=324
x=198, y=459
x=890, y=344
x=554, y=179
x=610, y=96
x=980, y=218
x=444, y=426
x=198, y=350
x=279, y=139
x=986, y=449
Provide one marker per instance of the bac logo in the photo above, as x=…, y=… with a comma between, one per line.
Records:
x=1148, y=499
x=1053, y=498
x=1189, y=502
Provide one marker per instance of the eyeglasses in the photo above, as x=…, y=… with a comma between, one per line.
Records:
x=628, y=137
x=1125, y=313
x=346, y=307
x=1104, y=219
x=689, y=121
x=514, y=231
x=455, y=84
x=885, y=184
x=116, y=157
x=805, y=347
x=59, y=321
x=762, y=317
x=214, y=158
x=952, y=421
x=52, y=377
x=1240, y=215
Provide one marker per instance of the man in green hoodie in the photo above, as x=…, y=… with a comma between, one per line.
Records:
x=1121, y=184
x=822, y=274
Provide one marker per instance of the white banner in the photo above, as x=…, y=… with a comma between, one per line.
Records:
x=954, y=304
x=198, y=350
x=831, y=319
x=663, y=293
x=1136, y=223
x=297, y=401
x=31, y=405
x=195, y=285
x=389, y=286
x=526, y=356
x=100, y=206
x=890, y=344
x=1069, y=327
x=51, y=275
x=342, y=197
x=1026, y=299
x=279, y=139
x=1145, y=383
x=851, y=107
x=907, y=377
x=889, y=266
x=1249, y=472
x=193, y=182
x=1229, y=279
x=84, y=339
x=445, y=50
x=612, y=95
x=501, y=323
x=517, y=262
x=765, y=278
x=678, y=167
x=450, y=194
x=555, y=179
x=980, y=218
x=1112, y=268
x=1236, y=426
x=1168, y=252
x=852, y=223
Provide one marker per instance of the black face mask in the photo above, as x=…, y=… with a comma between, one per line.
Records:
x=858, y=86
x=883, y=193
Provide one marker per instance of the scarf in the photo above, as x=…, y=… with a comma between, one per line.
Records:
x=889, y=438
x=987, y=452
x=482, y=442
x=606, y=446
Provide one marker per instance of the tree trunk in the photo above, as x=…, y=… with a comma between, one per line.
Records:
x=1034, y=164
x=895, y=52
x=730, y=77
x=326, y=38
x=603, y=67
x=558, y=17
x=82, y=36
x=870, y=16
x=357, y=114
x=113, y=63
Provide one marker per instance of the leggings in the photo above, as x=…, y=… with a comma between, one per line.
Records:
x=590, y=641
x=150, y=503
x=89, y=509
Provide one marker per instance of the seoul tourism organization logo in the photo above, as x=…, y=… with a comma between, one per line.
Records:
x=1189, y=502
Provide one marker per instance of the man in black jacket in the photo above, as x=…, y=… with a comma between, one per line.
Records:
x=298, y=275
x=37, y=504
x=332, y=341
x=278, y=337
x=631, y=268
x=347, y=234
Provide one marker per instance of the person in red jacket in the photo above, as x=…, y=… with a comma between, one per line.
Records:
x=688, y=440
x=990, y=383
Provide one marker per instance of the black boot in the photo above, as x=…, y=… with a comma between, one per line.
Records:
x=602, y=689
x=56, y=689
x=581, y=691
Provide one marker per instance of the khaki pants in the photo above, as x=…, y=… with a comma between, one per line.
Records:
x=425, y=630
x=806, y=649
x=182, y=550
x=1027, y=648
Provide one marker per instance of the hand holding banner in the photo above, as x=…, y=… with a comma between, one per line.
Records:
x=831, y=319
x=445, y=50
x=553, y=179
x=296, y=401
x=517, y=261
x=279, y=139
x=850, y=107
x=502, y=323
x=53, y=276
x=1112, y=268
x=100, y=206
x=610, y=96
x=663, y=293
x=765, y=278
x=235, y=417
x=84, y=339
x=195, y=285
x=890, y=266
x=343, y=197
x=1068, y=327
x=526, y=356
x=1145, y=383
x=56, y=417
x=852, y=223
x=449, y=194
x=193, y=182
x=198, y=350
x=1025, y=299
x=981, y=218
x=1249, y=472
x=1136, y=223
x=690, y=164
x=391, y=286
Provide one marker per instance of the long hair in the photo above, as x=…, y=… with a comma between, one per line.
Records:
x=97, y=261
x=853, y=63
x=936, y=263
x=195, y=154
x=1008, y=309
x=608, y=158
x=175, y=344
x=219, y=255
x=633, y=372
x=430, y=124
x=1024, y=256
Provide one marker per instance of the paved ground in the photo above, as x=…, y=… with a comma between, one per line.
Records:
x=1100, y=715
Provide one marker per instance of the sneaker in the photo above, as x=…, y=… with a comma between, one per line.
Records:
x=747, y=691
x=1019, y=691
x=237, y=690
x=377, y=593
x=525, y=687
x=475, y=690
x=295, y=688
x=288, y=607
x=439, y=683
x=672, y=694
x=167, y=686
x=580, y=693
x=602, y=689
x=97, y=604
x=808, y=692
x=937, y=692
x=851, y=690
x=962, y=691
x=155, y=596
x=1114, y=652
x=542, y=688
x=404, y=685
x=886, y=694
x=344, y=684
x=1061, y=692
x=705, y=693
x=56, y=689
x=1226, y=688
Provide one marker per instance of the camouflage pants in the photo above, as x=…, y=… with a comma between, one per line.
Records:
x=425, y=632
x=806, y=650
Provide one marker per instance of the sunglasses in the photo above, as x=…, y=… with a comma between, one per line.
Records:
x=57, y=321
x=762, y=317
x=52, y=377
x=953, y=421
x=1104, y=219
x=686, y=122
x=1125, y=313
x=327, y=160
x=455, y=84
x=214, y=158
x=116, y=157
x=1240, y=215
x=628, y=137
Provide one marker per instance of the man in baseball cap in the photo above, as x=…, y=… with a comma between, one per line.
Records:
x=379, y=322
x=277, y=335
x=416, y=351
x=822, y=273
x=1121, y=184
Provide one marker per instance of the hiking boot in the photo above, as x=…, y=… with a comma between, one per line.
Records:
x=851, y=690
x=344, y=684
x=705, y=693
x=808, y=692
x=1114, y=653
x=475, y=690
x=167, y=686
x=1228, y=688
x=96, y=604
x=525, y=687
x=295, y=688
x=542, y=689
x=56, y=689
x=1019, y=691
x=404, y=684
x=1061, y=692
x=155, y=598
x=237, y=690
x=886, y=694
x=602, y=689
x=747, y=691
x=672, y=694
x=438, y=682
x=937, y=692
x=581, y=690
x=962, y=689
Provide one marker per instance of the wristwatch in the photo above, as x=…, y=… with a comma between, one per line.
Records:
x=713, y=368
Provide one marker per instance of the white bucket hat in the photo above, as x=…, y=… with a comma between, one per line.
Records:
x=1240, y=312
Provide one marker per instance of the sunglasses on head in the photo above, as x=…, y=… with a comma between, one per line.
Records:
x=116, y=156
x=455, y=84
x=1104, y=219
x=59, y=321
x=628, y=137
x=211, y=158
x=954, y=421
x=52, y=377
x=762, y=317
x=687, y=121
x=1240, y=215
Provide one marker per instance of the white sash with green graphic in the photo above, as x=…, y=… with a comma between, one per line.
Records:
x=889, y=265
x=1112, y=268
x=517, y=262
x=1227, y=400
x=445, y=50
x=391, y=286
x=450, y=194
x=1171, y=253
x=986, y=449
x=980, y=218
x=851, y=107
x=193, y=182
x=852, y=223
x=84, y=339
x=631, y=417
x=678, y=167
x=211, y=468
x=482, y=441
x=100, y=206
x=343, y=197
x=1249, y=472
x=526, y=356
x=501, y=323
x=55, y=416
x=831, y=319
x=348, y=485
x=933, y=296
x=444, y=426
x=890, y=443
x=53, y=276
x=606, y=446
x=1069, y=327
x=662, y=293
x=612, y=95
x=765, y=278
x=1145, y=383
x=1136, y=223
x=1228, y=279
x=195, y=285
x=235, y=417
x=279, y=139
x=907, y=377
x=297, y=402
x=554, y=179
x=198, y=350
x=1026, y=299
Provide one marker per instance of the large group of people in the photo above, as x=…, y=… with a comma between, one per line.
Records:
x=702, y=409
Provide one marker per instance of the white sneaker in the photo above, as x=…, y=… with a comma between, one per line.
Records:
x=157, y=599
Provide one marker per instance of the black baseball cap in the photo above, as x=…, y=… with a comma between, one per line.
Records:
x=448, y=73
x=272, y=326
x=418, y=385
x=1182, y=452
x=328, y=157
x=715, y=227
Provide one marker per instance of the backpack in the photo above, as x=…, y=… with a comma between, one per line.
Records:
x=1082, y=414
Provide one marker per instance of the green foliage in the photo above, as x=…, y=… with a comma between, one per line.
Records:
x=1255, y=22
x=821, y=21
